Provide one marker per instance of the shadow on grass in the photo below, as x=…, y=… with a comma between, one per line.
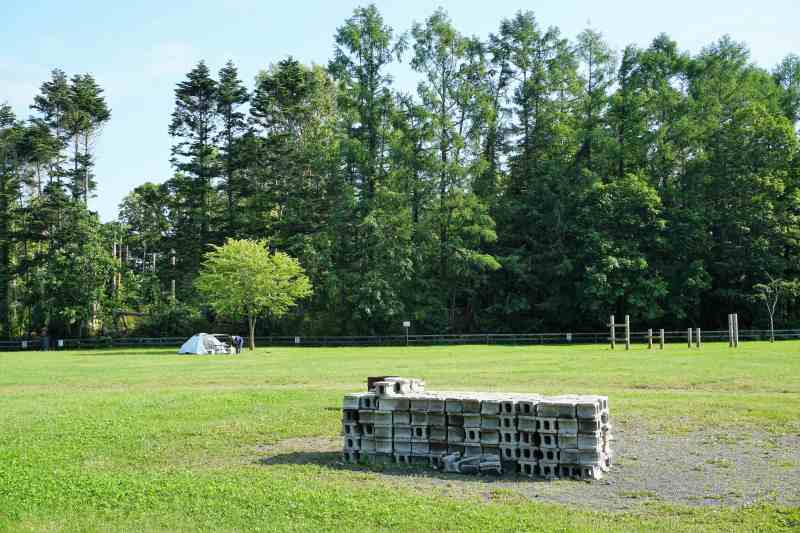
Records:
x=334, y=461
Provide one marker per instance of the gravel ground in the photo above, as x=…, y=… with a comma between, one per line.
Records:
x=700, y=468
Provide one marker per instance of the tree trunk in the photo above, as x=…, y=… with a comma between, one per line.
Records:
x=771, y=329
x=251, y=322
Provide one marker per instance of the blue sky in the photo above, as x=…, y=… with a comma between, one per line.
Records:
x=138, y=50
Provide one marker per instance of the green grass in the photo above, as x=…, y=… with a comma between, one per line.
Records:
x=147, y=440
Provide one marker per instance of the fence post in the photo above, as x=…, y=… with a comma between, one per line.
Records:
x=662, y=338
x=730, y=330
x=627, y=332
x=697, y=338
x=689, y=336
x=613, y=333
x=736, y=329
x=650, y=339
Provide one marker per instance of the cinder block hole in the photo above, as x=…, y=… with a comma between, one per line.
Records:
x=516, y=437
x=537, y=439
x=565, y=471
x=576, y=472
x=537, y=471
x=381, y=389
x=550, y=456
x=367, y=403
x=527, y=469
x=526, y=408
x=548, y=440
x=349, y=443
x=368, y=429
x=538, y=454
x=508, y=453
x=507, y=422
x=547, y=471
x=555, y=425
x=526, y=438
x=419, y=432
x=507, y=437
x=397, y=387
x=547, y=425
x=526, y=453
x=472, y=435
x=608, y=462
x=347, y=429
x=538, y=425
x=517, y=453
x=507, y=407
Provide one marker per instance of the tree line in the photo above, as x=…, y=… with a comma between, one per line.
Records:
x=530, y=182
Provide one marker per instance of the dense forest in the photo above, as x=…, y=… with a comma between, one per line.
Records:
x=531, y=182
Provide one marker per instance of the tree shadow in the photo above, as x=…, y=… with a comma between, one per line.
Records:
x=334, y=461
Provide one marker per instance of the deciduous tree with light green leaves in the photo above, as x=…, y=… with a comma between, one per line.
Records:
x=243, y=280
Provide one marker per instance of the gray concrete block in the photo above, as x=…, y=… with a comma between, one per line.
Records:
x=569, y=456
x=549, y=455
x=491, y=407
x=568, y=442
x=401, y=418
x=490, y=450
x=351, y=456
x=549, y=441
x=472, y=420
x=525, y=437
x=367, y=445
x=384, y=432
x=549, y=471
x=403, y=458
x=527, y=423
x=472, y=435
x=589, y=425
x=393, y=403
x=419, y=419
x=510, y=437
x=420, y=433
x=528, y=468
x=418, y=404
x=527, y=454
x=366, y=417
x=547, y=425
x=509, y=453
x=508, y=407
x=367, y=401
x=455, y=420
x=490, y=437
x=437, y=433
x=351, y=401
x=351, y=430
x=350, y=416
x=402, y=433
x=568, y=426
x=590, y=441
x=471, y=450
x=367, y=430
x=420, y=449
x=490, y=422
x=526, y=407
x=453, y=405
x=508, y=423
x=352, y=444
x=471, y=405
x=402, y=447
x=437, y=419
x=556, y=408
x=380, y=458
x=590, y=457
x=384, y=446
x=455, y=434
x=591, y=407
x=436, y=405
x=382, y=418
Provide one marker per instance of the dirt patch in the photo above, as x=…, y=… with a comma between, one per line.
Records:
x=699, y=468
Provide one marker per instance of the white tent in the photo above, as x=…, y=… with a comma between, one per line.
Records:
x=202, y=344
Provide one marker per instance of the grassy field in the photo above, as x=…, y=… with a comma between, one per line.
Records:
x=148, y=440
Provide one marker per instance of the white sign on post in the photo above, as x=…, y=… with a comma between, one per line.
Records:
x=297, y=340
x=60, y=343
x=407, y=324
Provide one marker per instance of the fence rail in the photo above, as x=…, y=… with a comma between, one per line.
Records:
x=637, y=337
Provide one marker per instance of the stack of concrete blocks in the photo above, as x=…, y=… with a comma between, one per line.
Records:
x=556, y=437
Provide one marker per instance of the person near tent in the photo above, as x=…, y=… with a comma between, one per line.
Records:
x=238, y=342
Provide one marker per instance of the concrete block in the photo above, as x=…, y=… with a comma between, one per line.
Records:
x=419, y=419
x=490, y=437
x=419, y=433
x=567, y=471
x=437, y=433
x=526, y=407
x=351, y=430
x=490, y=422
x=568, y=442
x=527, y=454
x=436, y=405
x=351, y=401
x=509, y=453
x=556, y=408
x=472, y=435
x=549, y=441
x=549, y=471
x=471, y=405
x=393, y=403
x=568, y=426
x=420, y=449
x=366, y=417
x=418, y=404
x=590, y=457
x=455, y=420
x=437, y=419
x=382, y=418
x=438, y=448
x=395, y=386
x=384, y=432
x=547, y=425
x=491, y=407
x=352, y=444
x=401, y=418
x=402, y=433
x=367, y=430
x=510, y=437
x=589, y=425
x=367, y=445
x=490, y=450
x=549, y=455
x=402, y=447
x=590, y=441
x=591, y=407
x=508, y=407
x=350, y=416
x=527, y=423
x=455, y=434
x=528, y=468
x=453, y=405
x=367, y=401
x=403, y=458
x=380, y=458
x=508, y=423
x=472, y=420
x=569, y=456
x=384, y=446
x=526, y=437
